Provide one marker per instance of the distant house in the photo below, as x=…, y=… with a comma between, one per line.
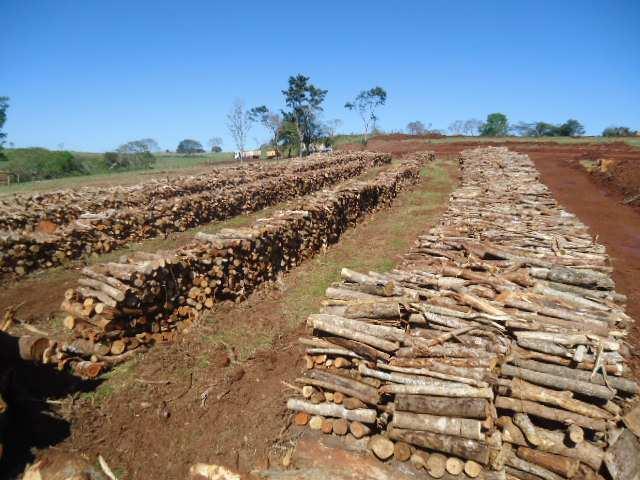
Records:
x=247, y=155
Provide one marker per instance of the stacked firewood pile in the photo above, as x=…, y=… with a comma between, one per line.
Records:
x=120, y=307
x=100, y=222
x=25, y=211
x=495, y=350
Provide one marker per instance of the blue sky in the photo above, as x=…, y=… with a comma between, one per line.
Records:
x=92, y=74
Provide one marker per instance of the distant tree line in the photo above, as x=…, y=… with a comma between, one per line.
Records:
x=619, y=132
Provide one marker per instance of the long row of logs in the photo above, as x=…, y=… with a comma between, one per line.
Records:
x=104, y=223
x=118, y=308
x=495, y=350
x=25, y=211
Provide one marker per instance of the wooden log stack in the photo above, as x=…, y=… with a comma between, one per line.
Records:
x=494, y=350
x=86, y=222
x=120, y=307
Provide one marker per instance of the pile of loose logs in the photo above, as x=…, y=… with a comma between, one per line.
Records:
x=120, y=307
x=46, y=230
x=495, y=350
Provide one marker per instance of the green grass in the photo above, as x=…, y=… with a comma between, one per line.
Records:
x=339, y=140
x=388, y=234
x=114, y=380
x=98, y=174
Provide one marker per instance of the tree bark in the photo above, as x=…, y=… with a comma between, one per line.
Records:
x=457, y=446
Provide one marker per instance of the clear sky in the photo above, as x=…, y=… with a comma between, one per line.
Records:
x=92, y=74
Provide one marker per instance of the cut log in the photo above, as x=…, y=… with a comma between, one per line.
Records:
x=542, y=411
x=381, y=447
x=526, y=391
x=460, y=427
x=332, y=410
x=459, y=447
x=358, y=429
x=337, y=383
x=567, y=467
x=440, y=390
x=454, y=407
x=622, y=384
x=332, y=324
x=472, y=469
x=560, y=383
x=454, y=466
x=529, y=467
x=436, y=465
x=401, y=451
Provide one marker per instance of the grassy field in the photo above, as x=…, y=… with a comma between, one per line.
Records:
x=166, y=164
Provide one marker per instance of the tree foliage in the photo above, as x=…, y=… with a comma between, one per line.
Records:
x=139, y=146
x=4, y=106
x=215, y=144
x=271, y=121
x=189, y=146
x=497, y=125
x=305, y=104
x=416, y=128
x=239, y=123
x=332, y=126
x=40, y=164
x=366, y=103
x=129, y=160
x=570, y=128
x=618, y=132
x=472, y=127
x=289, y=138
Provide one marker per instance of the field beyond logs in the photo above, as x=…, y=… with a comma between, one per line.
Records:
x=178, y=401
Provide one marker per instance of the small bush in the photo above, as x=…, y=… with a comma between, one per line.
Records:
x=129, y=161
x=41, y=164
x=618, y=132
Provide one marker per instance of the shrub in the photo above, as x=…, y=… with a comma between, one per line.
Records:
x=41, y=164
x=129, y=161
x=618, y=132
x=189, y=146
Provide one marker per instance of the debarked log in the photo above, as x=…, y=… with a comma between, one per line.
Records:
x=338, y=383
x=336, y=326
x=459, y=427
x=622, y=384
x=363, y=415
x=439, y=389
x=564, y=399
x=560, y=383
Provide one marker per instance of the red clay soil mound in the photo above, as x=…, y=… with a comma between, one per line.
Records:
x=622, y=175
